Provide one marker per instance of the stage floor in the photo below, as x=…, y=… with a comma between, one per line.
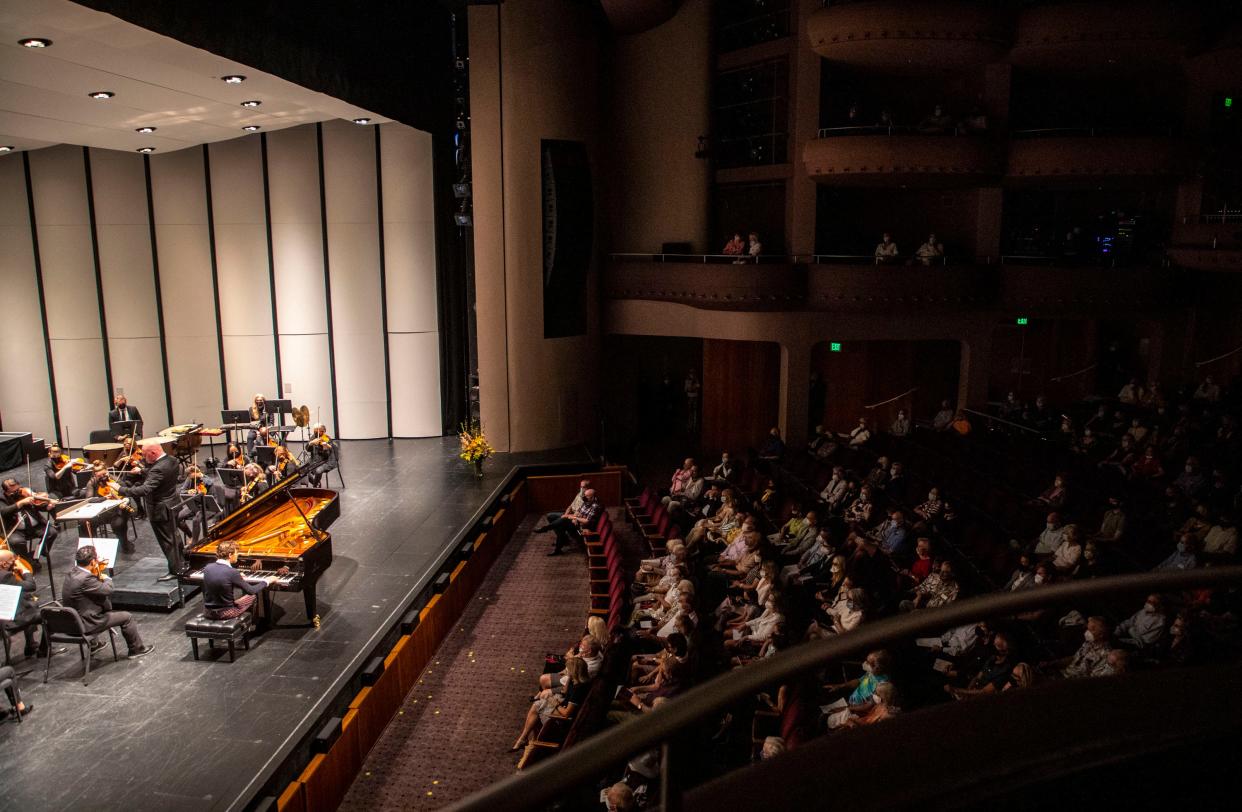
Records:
x=164, y=731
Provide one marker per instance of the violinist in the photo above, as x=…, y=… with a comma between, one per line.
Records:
x=323, y=455
x=262, y=418
x=29, y=510
x=102, y=486
x=88, y=589
x=256, y=483
x=58, y=474
x=234, y=458
x=284, y=465
x=200, y=486
x=13, y=573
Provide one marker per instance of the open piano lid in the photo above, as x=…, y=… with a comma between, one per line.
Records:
x=272, y=499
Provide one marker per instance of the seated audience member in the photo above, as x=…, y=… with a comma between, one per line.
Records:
x=922, y=565
x=690, y=494
x=937, y=122
x=1185, y=557
x=708, y=526
x=1144, y=630
x=754, y=248
x=1051, y=536
x=1132, y=393
x=587, y=650
x=812, y=563
x=1011, y=408
x=961, y=423
x=819, y=438
x=901, y=425
x=549, y=702
x=1221, y=541
x=876, y=668
x=1023, y=576
x=585, y=519
x=735, y=247
x=1022, y=676
x=895, y=485
x=943, y=421
x=797, y=546
x=773, y=447
x=929, y=511
x=884, y=706
x=563, y=515
x=1208, y=391
x=1191, y=481
x=1056, y=495
x=755, y=631
x=1068, y=553
x=1091, y=658
x=930, y=251
x=620, y=798
x=1147, y=466
x=790, y=530
x=993, y=673
x=938, y=589
x=1198, y=523
x=835, y=491
x=724, y=471
x=886, y=250
x=773, y=746
x=893, y=535
x=1112, y=523
x=859, y=435
x=681, y=477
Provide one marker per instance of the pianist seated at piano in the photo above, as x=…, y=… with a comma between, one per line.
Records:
x=221, y=578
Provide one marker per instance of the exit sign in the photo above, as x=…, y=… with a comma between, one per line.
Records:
x=1229, y=101
x=1022, y=321
x=834, y=346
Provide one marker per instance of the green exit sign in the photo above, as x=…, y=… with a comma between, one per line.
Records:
x=1229, y=101
x=1022, y=321
x=834, y=346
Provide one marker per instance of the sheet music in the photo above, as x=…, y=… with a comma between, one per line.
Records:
x=105, y=548
x=88, y=510
x=10, y=598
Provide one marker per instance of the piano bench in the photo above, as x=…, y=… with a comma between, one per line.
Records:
x=231, y=630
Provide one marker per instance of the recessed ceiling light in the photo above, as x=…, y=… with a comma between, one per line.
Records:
x=34, y=42
x=233, y=79
x=146, y=150
x=6, y=148
x=251, y=103
x=101, y=94
x=362, y=121
x=145, y=130
x=250, y=127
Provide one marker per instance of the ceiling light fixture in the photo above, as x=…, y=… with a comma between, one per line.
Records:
x=145, y=130
x=251, y=103
x=34, y=42
x=362, y=121
x=233, y=79
x=250, y=127
x=101, y=94
x=6, y=147
x=146, y=150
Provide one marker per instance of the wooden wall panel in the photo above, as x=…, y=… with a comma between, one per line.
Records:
x=741, y=386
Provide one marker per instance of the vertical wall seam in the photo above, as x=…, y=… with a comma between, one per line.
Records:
x=38, y=269
x=99, y=291
x=327, y=282
x=271, y=264
x=383, y=276
x=215, y=278
x=159, y=294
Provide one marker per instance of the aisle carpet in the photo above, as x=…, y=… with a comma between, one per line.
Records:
x=453, y=732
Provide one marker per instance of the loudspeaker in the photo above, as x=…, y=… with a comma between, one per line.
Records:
x=568, y=237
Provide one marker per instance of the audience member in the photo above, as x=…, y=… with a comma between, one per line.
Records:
x=886, y=250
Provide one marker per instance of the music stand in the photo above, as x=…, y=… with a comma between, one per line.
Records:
x=265, y=455
x=229, y=416
x=281, y=408
x=127, y=428
x=231, y=477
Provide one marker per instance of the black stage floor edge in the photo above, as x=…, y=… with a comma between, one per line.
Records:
x=165, y=731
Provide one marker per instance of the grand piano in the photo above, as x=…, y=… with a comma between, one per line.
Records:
x=286, y=527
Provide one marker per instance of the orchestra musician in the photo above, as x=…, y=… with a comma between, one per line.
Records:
x=323, y=455
x=88, y=589
x=284, y=465
x=159, y=489
x=59, y=471
x=27, y=509
x=255, y=485
x=234, y=458
x=12, y=573
x=190, y=516
x=122, y=411
x=102, y=486
x=260, y=415
x=221, y=578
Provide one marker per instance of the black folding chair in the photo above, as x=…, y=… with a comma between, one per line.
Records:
x=62, y=624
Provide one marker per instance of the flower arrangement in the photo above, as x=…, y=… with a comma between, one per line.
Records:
x=474, y=445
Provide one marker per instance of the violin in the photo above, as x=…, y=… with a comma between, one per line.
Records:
x=21, y=567
x=109, y=489
x=76, y=464
x=41, y=500
x=98, y=568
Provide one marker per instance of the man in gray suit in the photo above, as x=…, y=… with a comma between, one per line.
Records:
x=91, y=596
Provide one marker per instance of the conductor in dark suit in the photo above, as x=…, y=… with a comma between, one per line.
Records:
x=159, y=487
x=91, y=596
x=123, y=411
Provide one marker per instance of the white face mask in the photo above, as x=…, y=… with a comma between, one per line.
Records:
x=1150, y=608
x=867, y=667
x=1039, y=578
x=1089, y=636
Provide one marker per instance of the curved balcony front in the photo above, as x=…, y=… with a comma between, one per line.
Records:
x=1040, y=157
x=1131, y=36
x=909, y=159
x=1210, y=242
x=710, y=282
x=896, y=35
x=839, y=286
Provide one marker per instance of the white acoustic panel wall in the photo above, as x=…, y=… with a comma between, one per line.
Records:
x=123, y=233
x=297, y=251
x=354, y=264
x=25, y=397
x=241, y=265
x=59, y=180
x=410, y=263
x=179, y=194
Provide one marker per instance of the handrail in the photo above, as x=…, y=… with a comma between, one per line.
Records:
x=909, y=391
x=1091, y=131
x=893, y=129
x=1218, y=358
x=1003, y=420
x=534, y=788
x=1075, y=374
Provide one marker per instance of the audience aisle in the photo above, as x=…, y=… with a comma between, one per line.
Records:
x=452, y=734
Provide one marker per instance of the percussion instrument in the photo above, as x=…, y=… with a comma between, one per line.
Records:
x=107, y=453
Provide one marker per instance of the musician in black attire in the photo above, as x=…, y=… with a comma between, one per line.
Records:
x=204, y=502
x=91, y=596
x=221, y=578
x=58, y=474
x=27, y=618
x=123, y=411
x=260, y=415
x=118, y=518
x=323, y=455
x=159, y=488
x=29, y=518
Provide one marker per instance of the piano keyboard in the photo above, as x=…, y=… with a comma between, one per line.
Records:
x=288, y=579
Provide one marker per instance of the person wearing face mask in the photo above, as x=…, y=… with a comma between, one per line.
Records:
x=1023, y=576
x=928, y=511
x=939, y=589
x=1185, y=557
x=1113, y=523
x=921, y=567
x=1198, y=524
x=1055, y=496
x=893, y=535
x=1069, y=552
x=835, y=491
x=1144, y=630
x=723, y=473
x=992, y=674
x=961, y=640
x=862, y=690
x=859, y=515
x=849, y=614
x=1182, y=648
x=773, y=446
x=1191, y=481
x=812, y=562
x=884, y=705
x=900, y=427
x=895, y=488
x=1091, y=658
x=877, y=477
x=1051, y=537
x=1220, y=545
